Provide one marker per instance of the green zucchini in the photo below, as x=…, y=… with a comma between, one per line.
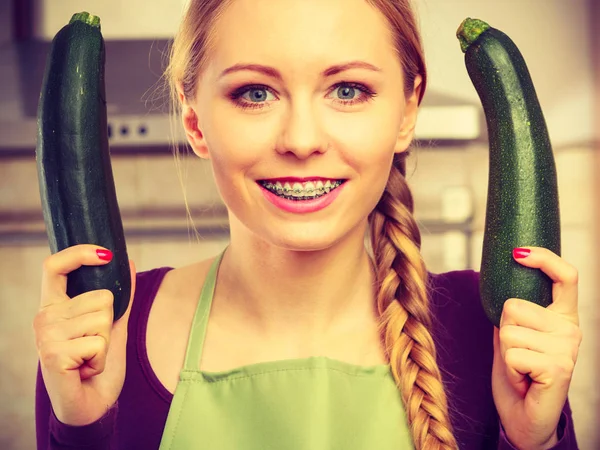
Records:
x=522, y=199
x=75, y=176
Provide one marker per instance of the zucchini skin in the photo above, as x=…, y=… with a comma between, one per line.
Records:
x=77, y=189
x=522, y=200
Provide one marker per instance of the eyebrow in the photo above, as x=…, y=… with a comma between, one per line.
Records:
x=274, y=73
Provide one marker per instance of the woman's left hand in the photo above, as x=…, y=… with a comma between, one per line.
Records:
x=535, y=350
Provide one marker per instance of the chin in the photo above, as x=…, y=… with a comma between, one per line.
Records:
x=303, y=238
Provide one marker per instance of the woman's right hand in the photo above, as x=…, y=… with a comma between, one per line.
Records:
x=82, y=353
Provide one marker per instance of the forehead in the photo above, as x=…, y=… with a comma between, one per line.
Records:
x=294, y=34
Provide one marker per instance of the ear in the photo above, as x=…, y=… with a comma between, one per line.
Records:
x=407, y=129
x=191, y=126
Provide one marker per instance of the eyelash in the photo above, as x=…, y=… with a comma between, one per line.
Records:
x=236, y=96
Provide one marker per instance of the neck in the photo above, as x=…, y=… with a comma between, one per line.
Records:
x=297, y=294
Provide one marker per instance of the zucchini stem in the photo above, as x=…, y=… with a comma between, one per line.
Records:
x=468, y=32
x=86, y=17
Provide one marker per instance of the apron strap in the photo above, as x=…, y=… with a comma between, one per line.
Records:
x=200, y=322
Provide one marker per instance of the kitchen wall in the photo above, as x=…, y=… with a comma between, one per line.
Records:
x=449, y=185
x=133, y=19
x=554, y=37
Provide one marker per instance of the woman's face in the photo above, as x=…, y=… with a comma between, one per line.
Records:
x=306, y=89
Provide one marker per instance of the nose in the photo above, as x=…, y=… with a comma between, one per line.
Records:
x=302, y=133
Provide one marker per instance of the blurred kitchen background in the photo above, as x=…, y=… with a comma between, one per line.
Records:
x=448, y=170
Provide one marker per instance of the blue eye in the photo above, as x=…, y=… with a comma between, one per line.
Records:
x=256, y=95
x=350, y=93
x=252, y=96
x=346, y=92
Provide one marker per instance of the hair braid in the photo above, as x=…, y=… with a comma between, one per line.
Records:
x=405, y=319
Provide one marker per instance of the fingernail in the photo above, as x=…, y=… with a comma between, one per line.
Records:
x=519, y=253
x=104, y=255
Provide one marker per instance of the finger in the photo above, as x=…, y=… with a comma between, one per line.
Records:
x=545, y=371
x=97, y=323
x=519, y=382
x=524, y=313
x=564, y=276
x=92, y=353
x=56, y=267
x=548, y=262
x=88, y=302
x=512, y=336
x=66, y=357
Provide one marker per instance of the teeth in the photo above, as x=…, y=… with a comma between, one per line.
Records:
x=309, y=188
x=299, y=190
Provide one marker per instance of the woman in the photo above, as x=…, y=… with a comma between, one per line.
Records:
x=306, y=339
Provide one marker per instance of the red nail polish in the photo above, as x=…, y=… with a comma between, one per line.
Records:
x=104, y=255
x=519, y=253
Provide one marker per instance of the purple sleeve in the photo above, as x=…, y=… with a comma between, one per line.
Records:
x=51, y=434
x=566, y=433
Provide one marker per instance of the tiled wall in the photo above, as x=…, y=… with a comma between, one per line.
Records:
x=152, y=181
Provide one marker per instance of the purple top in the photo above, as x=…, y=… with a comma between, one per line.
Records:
x=462, y=332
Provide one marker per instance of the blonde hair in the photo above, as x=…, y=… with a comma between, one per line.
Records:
x=402, y=298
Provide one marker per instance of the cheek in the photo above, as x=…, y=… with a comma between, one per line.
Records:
x=235, y=143
x=369, y=137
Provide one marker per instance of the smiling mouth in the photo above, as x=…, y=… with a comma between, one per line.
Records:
x=301, y=191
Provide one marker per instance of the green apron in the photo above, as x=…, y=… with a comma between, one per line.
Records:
x=315, y=403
